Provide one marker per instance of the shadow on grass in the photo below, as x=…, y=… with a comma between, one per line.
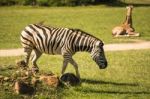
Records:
x=107, y=82
x=111, y=92
x=90, y=90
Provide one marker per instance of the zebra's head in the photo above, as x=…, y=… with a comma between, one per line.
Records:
x=98, y=55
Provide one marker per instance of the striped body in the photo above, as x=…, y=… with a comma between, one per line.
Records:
x=63, y=41
x=55, y=40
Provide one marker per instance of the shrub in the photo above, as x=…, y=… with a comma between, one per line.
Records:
x=7, y=2
x=42, y=2
x=54, y=2
x=29, y=2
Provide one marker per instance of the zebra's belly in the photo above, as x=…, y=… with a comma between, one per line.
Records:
x=56, y=51
x=50, y=50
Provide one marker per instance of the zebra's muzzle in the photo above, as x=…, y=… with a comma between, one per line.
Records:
x=103, y=66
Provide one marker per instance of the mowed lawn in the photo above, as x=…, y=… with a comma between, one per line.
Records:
x=96, y=20
x=127, y=77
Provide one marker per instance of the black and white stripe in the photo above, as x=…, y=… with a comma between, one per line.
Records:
x=64, y=41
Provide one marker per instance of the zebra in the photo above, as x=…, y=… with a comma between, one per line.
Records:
x=60, y=41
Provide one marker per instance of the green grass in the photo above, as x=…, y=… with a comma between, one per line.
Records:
x=96, y=20
x=127, y=76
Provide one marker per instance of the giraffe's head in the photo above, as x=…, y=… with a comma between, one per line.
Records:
x=129, y=9
x=98, y=55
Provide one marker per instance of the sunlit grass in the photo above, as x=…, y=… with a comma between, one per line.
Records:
x=127, y=76
x=96, y=20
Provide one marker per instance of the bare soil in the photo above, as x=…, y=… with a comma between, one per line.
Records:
x=108, y=47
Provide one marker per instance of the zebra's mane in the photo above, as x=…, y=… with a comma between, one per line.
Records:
x=83, y=32
x=73, y=29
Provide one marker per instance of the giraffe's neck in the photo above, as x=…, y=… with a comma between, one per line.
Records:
x=128, y=20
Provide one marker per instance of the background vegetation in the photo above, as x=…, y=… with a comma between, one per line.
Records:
x=54, y=2
x=68, y=2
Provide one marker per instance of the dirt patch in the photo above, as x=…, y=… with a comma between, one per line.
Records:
x=128, y=46
x=24, y=81
x=138, y=44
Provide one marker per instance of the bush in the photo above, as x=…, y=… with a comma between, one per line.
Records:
x=42, y=2
x=53, y=2
x=70, y=2
x=7, y=2
x=17, y=2
x=29, y=2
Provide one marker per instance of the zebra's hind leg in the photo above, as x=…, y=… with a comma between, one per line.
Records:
x=36, y=56
x=27, y=52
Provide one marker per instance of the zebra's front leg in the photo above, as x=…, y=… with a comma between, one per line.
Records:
x=75, y=66
x=65, y=63
x=68, y=58
x=36, y=56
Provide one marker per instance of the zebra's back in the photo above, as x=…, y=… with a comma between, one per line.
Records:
x=45, y=39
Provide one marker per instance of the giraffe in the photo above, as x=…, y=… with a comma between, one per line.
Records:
x=126, y=28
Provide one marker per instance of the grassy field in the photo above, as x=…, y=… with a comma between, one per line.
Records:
x=127, y=77
x=96, y=20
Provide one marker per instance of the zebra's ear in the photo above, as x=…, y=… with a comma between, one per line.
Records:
x=99, y=43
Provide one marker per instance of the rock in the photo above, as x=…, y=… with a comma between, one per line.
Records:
x=51, y=80
x=22, y=88
x=70, y=78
